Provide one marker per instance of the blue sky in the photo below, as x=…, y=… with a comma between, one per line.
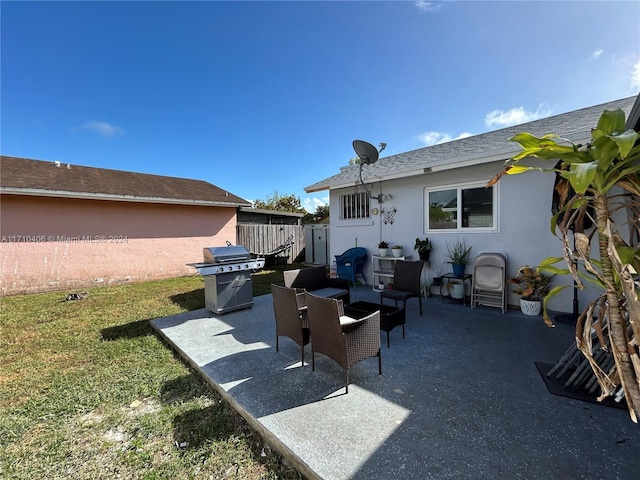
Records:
x=264, y=97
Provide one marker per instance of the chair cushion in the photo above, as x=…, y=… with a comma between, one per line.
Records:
x=397, y=294
x=344, y=320
x=330, y=292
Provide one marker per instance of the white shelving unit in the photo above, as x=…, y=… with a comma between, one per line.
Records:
x=383, y=268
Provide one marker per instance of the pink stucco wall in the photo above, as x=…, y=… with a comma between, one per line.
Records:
x=56, y=243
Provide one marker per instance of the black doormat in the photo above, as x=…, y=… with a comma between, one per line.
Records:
x=556, y=387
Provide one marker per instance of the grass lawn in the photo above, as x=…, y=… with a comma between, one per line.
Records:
x=88, y=391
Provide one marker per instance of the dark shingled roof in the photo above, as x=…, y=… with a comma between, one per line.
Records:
x=485, y=147
x=35, y=177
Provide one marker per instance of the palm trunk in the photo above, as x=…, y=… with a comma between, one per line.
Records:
x=618, y=332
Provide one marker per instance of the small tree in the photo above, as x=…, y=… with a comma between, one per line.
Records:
x=604, y=177
x=322, y=212
x=280, y=203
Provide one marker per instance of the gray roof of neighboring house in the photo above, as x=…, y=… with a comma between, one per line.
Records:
x=482, y=148
x=23, y=176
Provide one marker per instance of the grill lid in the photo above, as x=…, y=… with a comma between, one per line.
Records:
x=226, y=254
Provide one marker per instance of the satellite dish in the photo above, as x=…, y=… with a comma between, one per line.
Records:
x=367, y=153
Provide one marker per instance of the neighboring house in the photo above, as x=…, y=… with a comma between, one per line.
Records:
x=67, y=226
x=440, y=192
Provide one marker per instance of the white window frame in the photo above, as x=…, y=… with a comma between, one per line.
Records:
x=459, y=187
x=357, y=200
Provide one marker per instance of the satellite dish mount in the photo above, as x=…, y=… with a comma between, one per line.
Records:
x=368, y=154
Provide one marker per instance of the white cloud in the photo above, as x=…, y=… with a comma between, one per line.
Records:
x=494, y=119
x=597, y=53
x=310, y=204
x=625, y=72
x=635, y=76
x=434, y=138
x=103, y=128
x=515, y=116
x=428, y=6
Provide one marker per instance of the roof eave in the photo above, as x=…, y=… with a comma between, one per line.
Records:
x=470, y=160
x=117, y=198
x=633, y=120
x=271, y=212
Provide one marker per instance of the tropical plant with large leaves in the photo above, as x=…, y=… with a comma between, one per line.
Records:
x=602, y=184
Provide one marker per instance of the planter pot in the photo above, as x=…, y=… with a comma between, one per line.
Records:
x=529, y=307
x=424, y=256
x=458, y=270
x=397, y=252
x=383, y=252
x=456, y=289
x=437, y=281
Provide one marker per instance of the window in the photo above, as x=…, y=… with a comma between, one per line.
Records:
x=354, y=206
x=460, y=208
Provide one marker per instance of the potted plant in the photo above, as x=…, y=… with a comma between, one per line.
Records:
x=609, y=184
x=423, y=247
x=383, y=248
x=455, y=287
x=458, y=255
x=396, y=250
x=438, y=271
x=436, y=278
x=532, y=286
x=425, y=288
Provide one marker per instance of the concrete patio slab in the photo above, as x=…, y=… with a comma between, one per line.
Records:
x=459, y=397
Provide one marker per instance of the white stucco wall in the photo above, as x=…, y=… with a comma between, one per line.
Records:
x=523, y=231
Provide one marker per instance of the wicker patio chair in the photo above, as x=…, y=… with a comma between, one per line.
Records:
x=351, y=264
x=315, y=280
x=406, y=283
x=343, y=339
x=291, y=316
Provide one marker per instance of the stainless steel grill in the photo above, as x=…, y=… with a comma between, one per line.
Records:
x=227, y=277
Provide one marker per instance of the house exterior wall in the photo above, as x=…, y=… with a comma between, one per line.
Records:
x=523, y=231
x=58, y=243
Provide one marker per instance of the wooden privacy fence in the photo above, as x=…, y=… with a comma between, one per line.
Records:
x=267, y=238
